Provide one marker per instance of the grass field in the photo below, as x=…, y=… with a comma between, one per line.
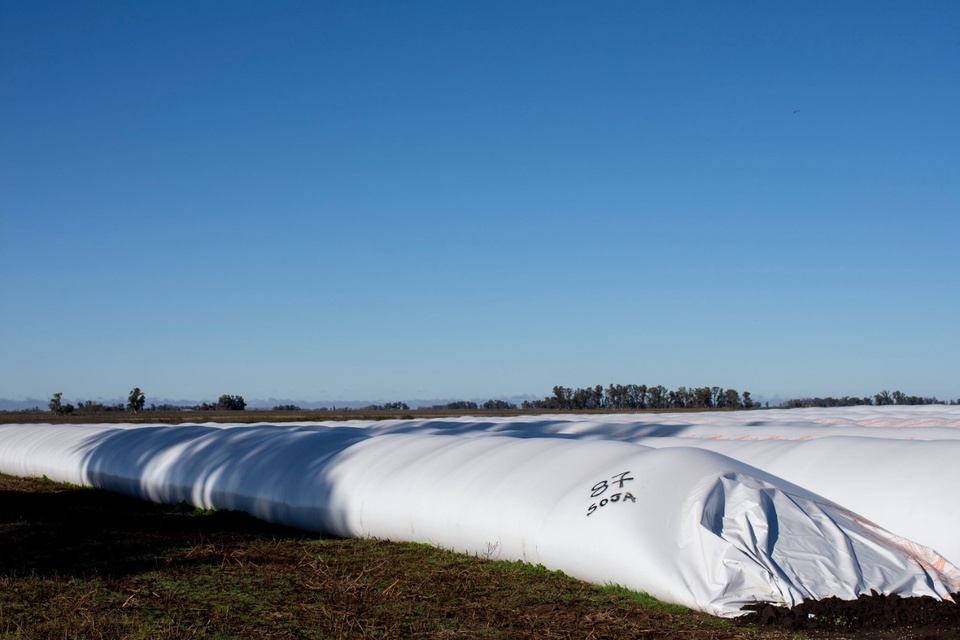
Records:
x=84, y=563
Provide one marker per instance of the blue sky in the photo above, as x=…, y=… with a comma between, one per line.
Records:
x=403, y=200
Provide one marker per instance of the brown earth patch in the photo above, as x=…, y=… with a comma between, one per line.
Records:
x=873, y=616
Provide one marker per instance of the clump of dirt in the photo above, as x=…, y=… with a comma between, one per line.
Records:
x=873, y=616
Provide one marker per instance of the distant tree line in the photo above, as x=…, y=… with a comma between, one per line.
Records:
x=136, y=402
x=641, y=396
x=60, y=408
x=469, y=405
x=457, y=405
x=225, y=403
x=614, y=397
x=878, y=400
x=388, y=406
x=166, y=407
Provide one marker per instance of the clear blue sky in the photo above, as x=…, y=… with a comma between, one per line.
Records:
x=403, y=200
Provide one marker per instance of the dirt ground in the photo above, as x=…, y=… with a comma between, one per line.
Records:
x=870, y=617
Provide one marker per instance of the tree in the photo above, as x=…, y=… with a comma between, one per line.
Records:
x=456, y=405
x=231, y=403
x=499, y=405
x=883, y=398
x=562, y=396
x=92, y=406
x=615, y=395
x=57, y=406
x=657, y=396
x=683, y=397
x=136, y=400
x=703, y=397
x=731, y=399
x=716, y=397
x=388, y=406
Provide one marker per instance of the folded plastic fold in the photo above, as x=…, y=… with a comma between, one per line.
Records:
x=686, y=525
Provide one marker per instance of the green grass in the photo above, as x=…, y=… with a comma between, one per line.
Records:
x=82, y=563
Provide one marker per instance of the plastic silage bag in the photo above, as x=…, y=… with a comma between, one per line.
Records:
x=891, y=482
x=884, y=463
x=688, y=526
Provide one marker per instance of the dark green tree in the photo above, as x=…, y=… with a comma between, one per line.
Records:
x=703, y=397
x=562, y=396
x=499, y=405
x=136, y=400
x=657, y=397
x=883, y=398
x=731, y=399
x=231, y=403
x=56, y=405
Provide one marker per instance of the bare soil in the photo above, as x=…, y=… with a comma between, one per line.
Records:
x=873, y=616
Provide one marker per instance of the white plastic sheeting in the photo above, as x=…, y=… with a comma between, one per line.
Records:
x=885, y=463
x=888, y=464
x=685, y=524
